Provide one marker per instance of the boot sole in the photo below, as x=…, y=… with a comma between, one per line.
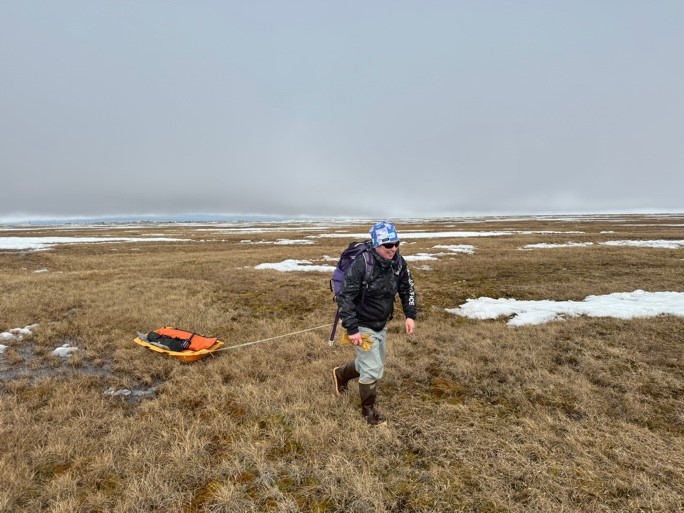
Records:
x=337, y=390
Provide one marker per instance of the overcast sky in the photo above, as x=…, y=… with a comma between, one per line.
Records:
x=354, y=108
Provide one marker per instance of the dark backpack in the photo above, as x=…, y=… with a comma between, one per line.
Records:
x=354, y=250
x=170, y=343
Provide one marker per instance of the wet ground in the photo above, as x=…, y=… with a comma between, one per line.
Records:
x=22, y=361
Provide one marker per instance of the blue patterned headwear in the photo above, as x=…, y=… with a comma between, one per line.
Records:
x=383, y=232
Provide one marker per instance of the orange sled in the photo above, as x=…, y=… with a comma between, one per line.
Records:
x=199, y=347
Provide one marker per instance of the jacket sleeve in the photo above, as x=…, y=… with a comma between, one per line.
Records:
x=407, y=293
x=349, y=293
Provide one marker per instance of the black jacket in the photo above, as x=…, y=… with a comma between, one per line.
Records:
x=373, y=308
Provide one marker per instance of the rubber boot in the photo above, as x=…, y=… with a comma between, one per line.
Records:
x=342, y=375
x=368, y=392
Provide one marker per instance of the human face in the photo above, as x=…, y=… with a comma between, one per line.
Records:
x=387, y=252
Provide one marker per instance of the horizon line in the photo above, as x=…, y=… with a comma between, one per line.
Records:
x=260, y=217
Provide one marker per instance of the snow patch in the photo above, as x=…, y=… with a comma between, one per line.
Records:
x=296, y=265
x=18, y=333
x=280, y=242
x=563, y=245
x=65, y=351
x=419, y=257
x=658, y=244
x=620, y=305
x=458, y=248
x=43, y=243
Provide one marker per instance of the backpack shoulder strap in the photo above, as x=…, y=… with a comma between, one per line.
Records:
x=368, y=258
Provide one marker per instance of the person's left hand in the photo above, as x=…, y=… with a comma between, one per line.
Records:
x=410, y=326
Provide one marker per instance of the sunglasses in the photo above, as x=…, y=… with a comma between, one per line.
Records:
x=391, y=245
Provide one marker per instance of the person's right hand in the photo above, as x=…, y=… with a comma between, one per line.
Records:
x=356, y=339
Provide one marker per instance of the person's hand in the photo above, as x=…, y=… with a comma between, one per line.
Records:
x=410, y=326
x=356, y=339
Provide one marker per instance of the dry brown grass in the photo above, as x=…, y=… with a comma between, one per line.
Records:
x=571, y=416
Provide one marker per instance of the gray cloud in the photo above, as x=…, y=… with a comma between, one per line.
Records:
x=387, y=109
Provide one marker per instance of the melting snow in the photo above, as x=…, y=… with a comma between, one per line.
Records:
x=42, y=243
x=664, y=244
x=658, y=244
x=419, y=257
x=296, y=265
x=563, y=245
x=64, y=351
x=621, y=305
x=283, y=242
x=459, y=248
x=422, y=257
x=293, y=241
x=18, y=333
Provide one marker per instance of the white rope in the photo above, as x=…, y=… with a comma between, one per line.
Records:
x=272, y=338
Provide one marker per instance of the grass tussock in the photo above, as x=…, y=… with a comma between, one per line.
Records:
x=570, y=416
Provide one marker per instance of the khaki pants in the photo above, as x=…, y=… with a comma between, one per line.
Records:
x=371, y=364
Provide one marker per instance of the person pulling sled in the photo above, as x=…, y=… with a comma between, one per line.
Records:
x=365, y=305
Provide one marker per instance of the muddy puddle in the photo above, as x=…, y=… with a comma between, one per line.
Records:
x=27, y=363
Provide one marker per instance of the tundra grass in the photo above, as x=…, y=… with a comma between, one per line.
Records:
x=570, y=416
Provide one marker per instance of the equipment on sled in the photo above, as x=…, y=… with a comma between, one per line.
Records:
x=181, y=344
